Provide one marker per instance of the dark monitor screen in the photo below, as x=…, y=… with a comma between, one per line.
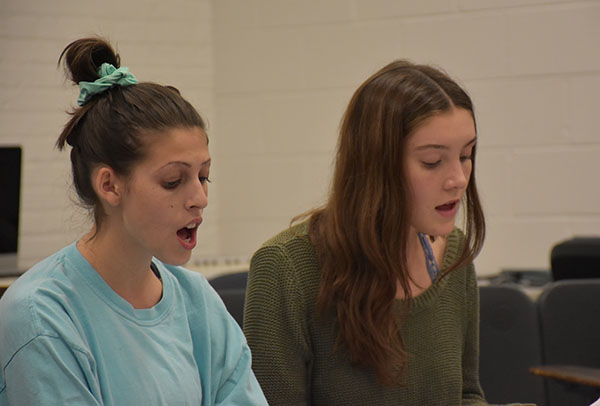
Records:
x=10, y=193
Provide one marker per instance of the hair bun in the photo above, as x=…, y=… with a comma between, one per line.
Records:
x=83, y=57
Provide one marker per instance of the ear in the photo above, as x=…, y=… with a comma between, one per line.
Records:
x=108, y=185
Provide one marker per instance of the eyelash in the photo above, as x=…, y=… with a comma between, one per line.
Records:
x=432, y=165
x=174, y=184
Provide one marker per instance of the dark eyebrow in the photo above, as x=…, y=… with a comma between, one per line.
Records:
x=439, y=146
x=186, y=164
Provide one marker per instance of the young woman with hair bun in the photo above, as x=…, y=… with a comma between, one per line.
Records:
x=112, y=319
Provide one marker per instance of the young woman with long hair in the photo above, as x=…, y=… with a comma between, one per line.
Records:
x=372, y=299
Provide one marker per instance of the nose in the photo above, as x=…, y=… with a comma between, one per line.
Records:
x=198, y=198
x=458, y=176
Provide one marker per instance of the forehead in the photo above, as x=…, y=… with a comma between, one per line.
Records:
x=448, y=129
x=180, y=143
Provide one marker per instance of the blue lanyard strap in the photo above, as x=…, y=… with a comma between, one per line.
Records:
x=432, y=266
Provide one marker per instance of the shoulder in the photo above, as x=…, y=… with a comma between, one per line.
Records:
x=296, y=235
x=290, y=254
x=39, y=303
x=455, y=245
x=286, y=265
x=47, y=282
x=455, y=241
x=292, y=244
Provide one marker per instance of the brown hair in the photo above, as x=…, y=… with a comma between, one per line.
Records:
x=114, y=128
x=361, y=233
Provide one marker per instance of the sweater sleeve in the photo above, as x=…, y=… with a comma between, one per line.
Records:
x=275, y=324
x=472, y=392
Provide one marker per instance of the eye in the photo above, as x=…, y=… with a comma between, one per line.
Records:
x=468, y=154
x=431, y=165
x=172, y=184
x=204, y=179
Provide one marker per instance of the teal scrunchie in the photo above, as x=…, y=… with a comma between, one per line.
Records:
x=109, y=76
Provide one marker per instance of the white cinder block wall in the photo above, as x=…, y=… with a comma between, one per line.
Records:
x=285, y=71
x=273, y=78
x=165, y=42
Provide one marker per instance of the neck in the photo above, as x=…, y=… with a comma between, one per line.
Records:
x=419, y=279
x=126, y=272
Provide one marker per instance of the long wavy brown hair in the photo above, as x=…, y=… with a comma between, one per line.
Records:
x=362, y=231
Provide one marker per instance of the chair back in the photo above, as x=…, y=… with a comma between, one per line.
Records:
x=234, y=299
x=576, y=258
x=230, y=280
x=232, y=289
x=569, y=312
x=509, y=346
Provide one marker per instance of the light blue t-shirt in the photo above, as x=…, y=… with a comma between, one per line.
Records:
x=66, y=338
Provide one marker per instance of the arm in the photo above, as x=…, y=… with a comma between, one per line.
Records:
x=238, y=385
x=222, y=355
x=275, y=323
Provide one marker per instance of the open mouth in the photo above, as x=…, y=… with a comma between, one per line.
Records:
x=187, y=235
x=448, y=210
x=447, y=207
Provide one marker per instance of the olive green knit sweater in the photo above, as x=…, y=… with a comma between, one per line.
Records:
x=292, y=346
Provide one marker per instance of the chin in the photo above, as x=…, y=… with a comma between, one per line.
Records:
x=440, y=230
x=444, y=231
x=176, y=260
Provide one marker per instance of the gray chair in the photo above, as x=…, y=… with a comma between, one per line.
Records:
x=569, y=312
x=509, y=346
x=234, y=302
x=576, y=258
x=232, y=289
x=230, y=281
